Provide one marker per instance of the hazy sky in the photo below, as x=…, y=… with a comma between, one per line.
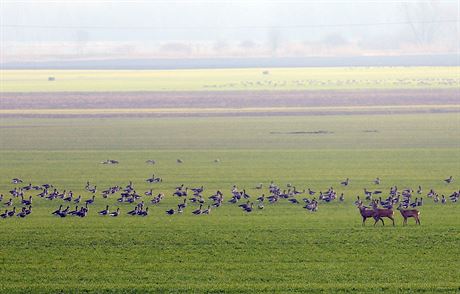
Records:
x=366, y=23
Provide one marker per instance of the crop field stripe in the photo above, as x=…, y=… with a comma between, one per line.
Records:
x=339, y=78
x=451, y=108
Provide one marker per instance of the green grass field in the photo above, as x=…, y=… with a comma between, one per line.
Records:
x=282, y=248
x=341, y=78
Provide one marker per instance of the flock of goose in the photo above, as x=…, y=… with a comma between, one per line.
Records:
x=201, y=205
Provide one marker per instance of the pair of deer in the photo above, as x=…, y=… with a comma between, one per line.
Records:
x=380, y=213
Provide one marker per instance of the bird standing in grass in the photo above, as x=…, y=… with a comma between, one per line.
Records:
x=115, y=213
x=105, y=211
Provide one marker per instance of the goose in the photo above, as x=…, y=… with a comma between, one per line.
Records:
x=64, y=212
x=26, y=202
x=9, y=202
x=449, y=180
x=5, y=214
x=260, y=205
x=377, y=181
x=91, y=200
x=181, y=193
x=83, y=211
x=313, y=206
x=419, y=190
x=57, y=211
x=198, y=211
x=311, y=192
x=170, y=211
x=293, y=201
x=133, y=212
x=77, y=200
x=74, y=212
x=249, y=208
x=261, y=198
x=207, y=211
x=183, y=205
x=179, y=160
x=28, y=210
x=245, y=195
x=150, y=161
x=345, y=183
x=105, y=211
x=69, y=198
x=16, y=181
x=12, y=212
x=22, y=214
x=93, y=190
x=443, y=199
x=151, y=180
x=198, y=190
x=368, y=194
x=155, y=200
x=244, y=205
x=115, y=213
x=258, y=187
x=143, y=212
x=341, y=198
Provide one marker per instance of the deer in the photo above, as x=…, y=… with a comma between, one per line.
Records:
x=379, y=213
x=407, y=213
x=365, y=212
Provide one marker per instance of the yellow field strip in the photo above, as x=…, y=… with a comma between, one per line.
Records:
x=453, y=107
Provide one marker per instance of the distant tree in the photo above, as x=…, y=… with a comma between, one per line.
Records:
x=422, y=17
x=274, y=38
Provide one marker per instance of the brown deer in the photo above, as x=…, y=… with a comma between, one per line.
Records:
x=365, y=213
x=407, y=213
x=379, y=213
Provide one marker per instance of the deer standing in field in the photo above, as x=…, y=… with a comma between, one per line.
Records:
x=380, y=213
x=365, y=212
x=407, y=213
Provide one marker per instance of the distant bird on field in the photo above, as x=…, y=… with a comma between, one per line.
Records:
x=16, y=181
x=449, y=180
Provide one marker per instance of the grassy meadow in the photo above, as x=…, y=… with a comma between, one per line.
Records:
x=327, y=78
x=282, y=248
